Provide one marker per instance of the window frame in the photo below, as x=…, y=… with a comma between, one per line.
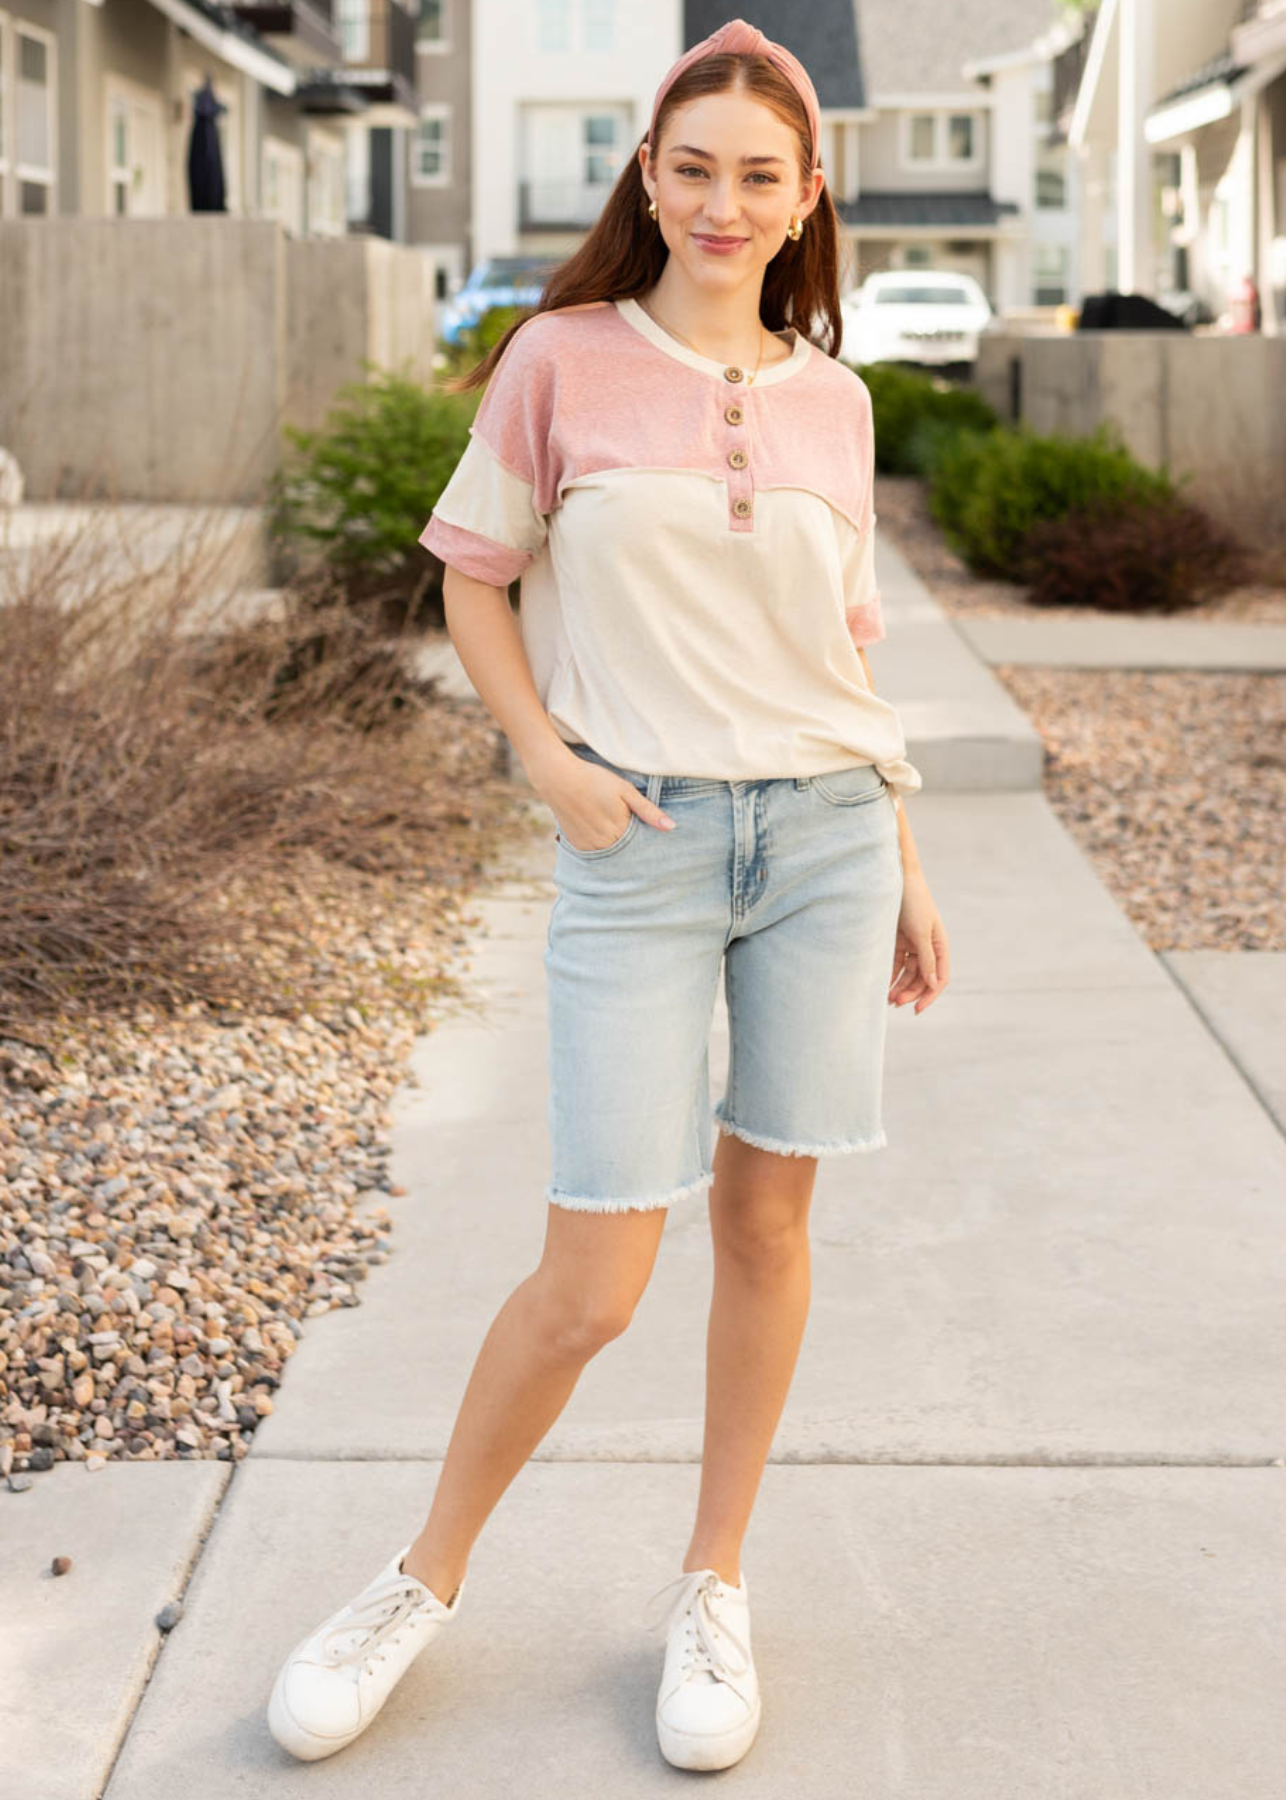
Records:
x=443, y=111
x=28, y=172
x=940, y=159
x=442, y=44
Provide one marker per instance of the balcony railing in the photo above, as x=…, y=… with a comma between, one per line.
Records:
x=560, y=205
x=381, y=37
x=303, y=31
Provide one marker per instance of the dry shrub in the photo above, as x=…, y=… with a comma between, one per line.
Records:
x=1158, y=553
x=170, y=772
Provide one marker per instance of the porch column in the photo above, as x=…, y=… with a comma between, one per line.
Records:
x=1135, y=246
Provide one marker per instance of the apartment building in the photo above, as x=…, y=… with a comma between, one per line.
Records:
x=1180, y=122
x=96, y=106
x=1044, y=149
x=940, y=146
x=938, y=140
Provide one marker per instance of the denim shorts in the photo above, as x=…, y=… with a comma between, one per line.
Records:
x=794, y=885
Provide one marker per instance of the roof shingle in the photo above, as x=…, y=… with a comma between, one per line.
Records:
x=856, y=49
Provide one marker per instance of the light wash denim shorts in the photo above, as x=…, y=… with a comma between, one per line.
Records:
x=794, y=885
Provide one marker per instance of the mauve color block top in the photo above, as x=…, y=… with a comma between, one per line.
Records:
x=696, y=554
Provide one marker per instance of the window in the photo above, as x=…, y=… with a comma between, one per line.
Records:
x=34, y=129
x=940, y=140
x=553, y=25
x=960, y=137
x=353, y=20
x=569, y=157
x=1052, y=263
x=600, y=24
x=431, y=146
x=1051, y=178
x=433, y=30
x=601, y=160
x=575, y=25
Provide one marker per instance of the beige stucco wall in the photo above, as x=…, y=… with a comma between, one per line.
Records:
x=883, y=168
x=440, y=215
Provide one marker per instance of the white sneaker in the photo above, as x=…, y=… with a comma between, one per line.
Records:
x=707, y=1709
x=337, y=1678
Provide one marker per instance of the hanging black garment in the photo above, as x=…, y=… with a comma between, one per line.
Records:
x=205, y=153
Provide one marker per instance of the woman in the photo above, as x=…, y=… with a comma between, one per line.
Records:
x=684, y=483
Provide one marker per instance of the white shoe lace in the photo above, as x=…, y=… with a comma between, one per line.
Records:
x=707, y=1647
x=376, y=1622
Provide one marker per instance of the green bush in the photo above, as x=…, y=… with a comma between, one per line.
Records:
x=988, y=489
x=933, y=441
x=911, y=408
x=954, y=475
x=358, y=492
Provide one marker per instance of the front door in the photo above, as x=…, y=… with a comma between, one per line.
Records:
x=135, y=151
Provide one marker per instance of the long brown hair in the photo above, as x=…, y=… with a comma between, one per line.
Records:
x=625, y=253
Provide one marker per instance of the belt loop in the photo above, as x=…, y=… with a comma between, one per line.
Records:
x=803, y=781
x=654, y=783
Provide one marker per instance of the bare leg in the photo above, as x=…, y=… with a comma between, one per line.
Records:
x=762, y=1286
x=592, y=1272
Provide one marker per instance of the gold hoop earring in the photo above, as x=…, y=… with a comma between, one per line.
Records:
x=651, y=207
x=795, y=230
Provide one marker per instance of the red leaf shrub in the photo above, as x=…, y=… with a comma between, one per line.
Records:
x=1147, y=554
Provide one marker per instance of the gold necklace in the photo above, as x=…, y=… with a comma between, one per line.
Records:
x=750, y=379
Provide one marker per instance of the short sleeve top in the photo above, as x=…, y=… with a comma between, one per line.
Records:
x=695, y=553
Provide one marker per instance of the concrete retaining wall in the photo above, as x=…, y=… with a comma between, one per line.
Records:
x=157, y=359
x=1212, y=407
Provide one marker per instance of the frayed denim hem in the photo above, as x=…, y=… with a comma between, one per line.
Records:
x=588, y=1203
x=834, y=1148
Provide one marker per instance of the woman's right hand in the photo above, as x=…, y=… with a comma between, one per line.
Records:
x=592, y=806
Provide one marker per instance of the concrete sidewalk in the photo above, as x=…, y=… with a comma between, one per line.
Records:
x=1023, y=1531
x=1156, y=642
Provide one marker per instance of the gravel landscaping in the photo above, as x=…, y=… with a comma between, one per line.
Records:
x=180, y=1192
x=1173, y=783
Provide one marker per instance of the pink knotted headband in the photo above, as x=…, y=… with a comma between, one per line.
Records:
x=738, y=38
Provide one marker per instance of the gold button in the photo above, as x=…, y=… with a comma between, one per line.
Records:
x=738, y=459
x=741, y=508
x=733, y=414
x=732, y=373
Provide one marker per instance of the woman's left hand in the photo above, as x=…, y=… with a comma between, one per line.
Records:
x=921, y=961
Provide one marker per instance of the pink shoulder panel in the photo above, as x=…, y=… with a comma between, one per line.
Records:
x=577, y=391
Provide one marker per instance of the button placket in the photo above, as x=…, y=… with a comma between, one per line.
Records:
x=737, y=460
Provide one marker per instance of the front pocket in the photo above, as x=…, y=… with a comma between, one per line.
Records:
x=607, y=849
x=854, y=786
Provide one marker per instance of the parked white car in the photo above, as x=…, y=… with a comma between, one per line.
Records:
x=928, y=316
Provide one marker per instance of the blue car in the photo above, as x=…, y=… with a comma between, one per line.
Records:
x=496, y=281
